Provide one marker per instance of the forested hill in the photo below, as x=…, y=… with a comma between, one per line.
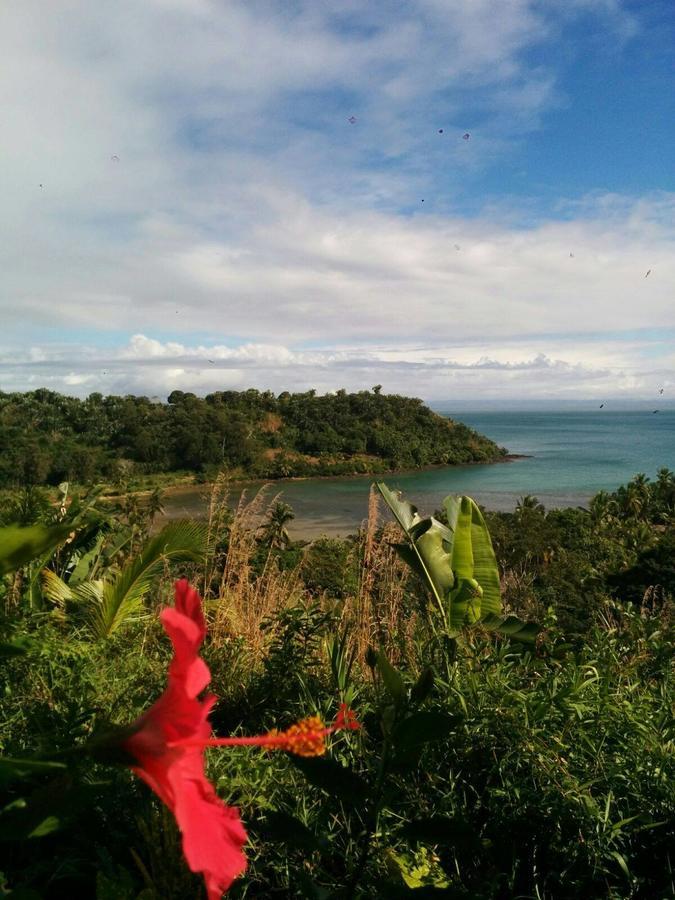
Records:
x=48, y=438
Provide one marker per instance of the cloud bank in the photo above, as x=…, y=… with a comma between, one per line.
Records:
x=181, y=184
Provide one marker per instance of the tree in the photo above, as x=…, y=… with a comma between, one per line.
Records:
x=274, y=532
x=530, y=504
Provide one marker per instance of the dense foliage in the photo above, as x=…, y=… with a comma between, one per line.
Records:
x=485, y=768
x=573, y=559
x=47, y=438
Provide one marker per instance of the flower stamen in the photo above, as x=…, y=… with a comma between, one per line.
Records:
x=306, y=738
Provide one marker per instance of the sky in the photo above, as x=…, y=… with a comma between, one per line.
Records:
x=469, y=201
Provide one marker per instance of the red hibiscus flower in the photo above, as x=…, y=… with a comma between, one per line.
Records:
x=167, y=742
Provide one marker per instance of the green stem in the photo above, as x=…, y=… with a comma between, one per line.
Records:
x=374, y=817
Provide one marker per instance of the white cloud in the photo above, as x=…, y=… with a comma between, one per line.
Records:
x=536, y=370
x=183, y=170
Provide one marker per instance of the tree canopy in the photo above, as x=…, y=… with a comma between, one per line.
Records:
x=47, y=438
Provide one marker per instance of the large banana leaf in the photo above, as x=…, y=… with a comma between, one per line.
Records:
x=458, y=564
x=20, y=544
x=473, y=555
x=86, y=560
x=513, y=627
x=442, y=556
x=464, y=603
x=425, y=553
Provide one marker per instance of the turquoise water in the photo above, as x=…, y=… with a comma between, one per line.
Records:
x=571, y=457
x=576, y=454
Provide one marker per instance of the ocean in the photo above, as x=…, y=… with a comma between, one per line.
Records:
x=571, y=456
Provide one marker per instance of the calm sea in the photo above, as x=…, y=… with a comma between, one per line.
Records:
x=571, y=457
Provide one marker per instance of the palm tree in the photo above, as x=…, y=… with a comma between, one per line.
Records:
x=528, y=503
x=603, y=508
x=663, y=493
x=108, y=603
x=635, y=498
x=274, y=532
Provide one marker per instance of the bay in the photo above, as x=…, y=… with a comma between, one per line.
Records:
x=570, y=456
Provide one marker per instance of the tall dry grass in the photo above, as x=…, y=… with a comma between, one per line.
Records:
x=243, y=595
x=246, y=597
x=377, y=616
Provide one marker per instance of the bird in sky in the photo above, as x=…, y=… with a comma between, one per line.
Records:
x=440, y=131
x=115, y=158
x=571, y=255
x=352, y=120
x=661, y=391
x=648, y=272
x=212, y=361
x=466, y=136
x=601, y=405
x=654, y=412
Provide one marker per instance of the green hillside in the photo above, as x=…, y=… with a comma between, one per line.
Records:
x=46, y=438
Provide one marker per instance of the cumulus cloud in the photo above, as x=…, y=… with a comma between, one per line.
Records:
x=464, y=376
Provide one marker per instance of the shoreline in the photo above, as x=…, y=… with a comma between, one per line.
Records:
x=172, y=489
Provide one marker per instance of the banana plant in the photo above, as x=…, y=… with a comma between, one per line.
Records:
x=458, y=565
x=107, y=603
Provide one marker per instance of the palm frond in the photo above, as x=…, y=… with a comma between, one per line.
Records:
x=54, y=588
x=121, y=597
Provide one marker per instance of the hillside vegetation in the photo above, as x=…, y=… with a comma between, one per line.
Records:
x=47, y=438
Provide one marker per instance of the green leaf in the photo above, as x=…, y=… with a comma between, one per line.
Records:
x=512, y=627
x=12, y=649
x=421, y=728
x=462, y=553
x=432, y=556
x=485, y=568
x=45, y=827
x=452, y=505
x=24, y=820
x=392, y=678
x=457, y=563
x=121, y=597
x=20, y=544
x=84, y=564
x=11, y=768
x=333, y=778
x=405, y=513
x=423, y=686
x=54, y=588
x=464, y=603
x=432, y=547
x=622, y=863
x=473, y=555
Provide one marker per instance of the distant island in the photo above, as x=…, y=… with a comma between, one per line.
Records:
x=47, y=438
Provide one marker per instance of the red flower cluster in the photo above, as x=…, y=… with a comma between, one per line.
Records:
x=168, y=744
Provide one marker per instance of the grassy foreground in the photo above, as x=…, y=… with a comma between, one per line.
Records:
x=485, y=767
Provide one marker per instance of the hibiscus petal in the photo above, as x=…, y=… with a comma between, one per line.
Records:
x=213, y=835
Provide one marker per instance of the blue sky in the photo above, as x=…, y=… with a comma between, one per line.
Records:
x=187, y=205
